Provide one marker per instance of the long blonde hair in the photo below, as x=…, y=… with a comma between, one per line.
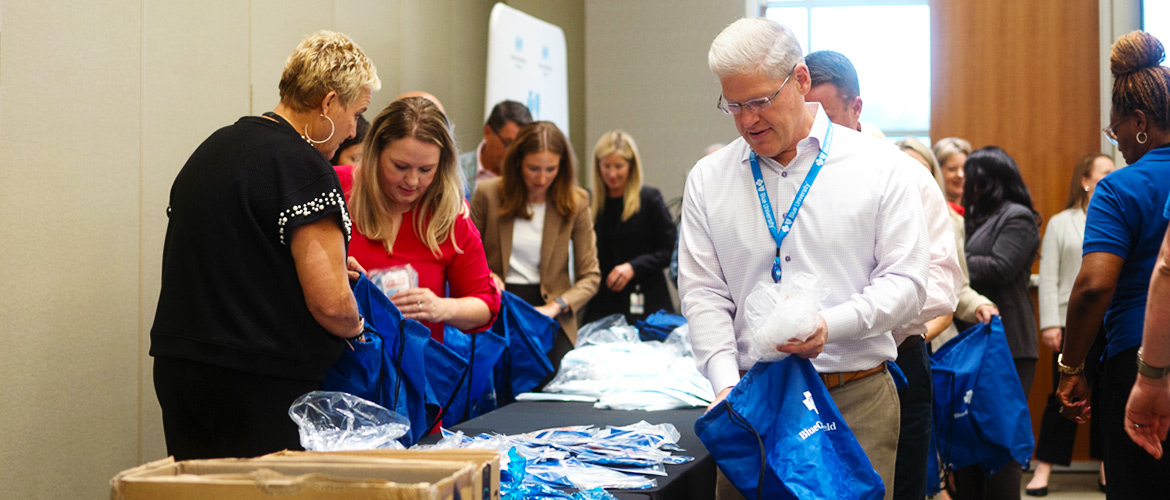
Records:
x=436, y=211
x=617, y=141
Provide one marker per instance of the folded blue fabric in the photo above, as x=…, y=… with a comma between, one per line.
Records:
x=778, y=435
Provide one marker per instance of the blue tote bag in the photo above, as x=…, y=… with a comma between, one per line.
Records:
x=778, y=435
x=390, y=367
x=447, y=372
x=980, y=410
x=528, y=336
x=477, y=395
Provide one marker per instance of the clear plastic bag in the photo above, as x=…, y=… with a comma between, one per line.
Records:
x=607, y=330
x=392, y=280
x=779, y=312
x=336, y=421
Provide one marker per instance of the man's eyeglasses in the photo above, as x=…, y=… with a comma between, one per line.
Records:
x=754, y=105
x=1108, y=131
x=506, y=142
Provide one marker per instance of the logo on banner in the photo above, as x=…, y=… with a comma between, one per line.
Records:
x=519, y=44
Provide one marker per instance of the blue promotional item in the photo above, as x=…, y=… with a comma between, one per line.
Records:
x=980, y=411
x=528, y=336
x=780, y=233
x=390, y=368
x=447, y=372
x=477, y=396
x=778, y=435
x=658, y=326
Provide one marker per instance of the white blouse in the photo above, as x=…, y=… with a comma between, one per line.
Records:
x=524, y=263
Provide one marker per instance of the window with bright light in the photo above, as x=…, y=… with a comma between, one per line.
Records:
x=889, y=44
x=1156, y=19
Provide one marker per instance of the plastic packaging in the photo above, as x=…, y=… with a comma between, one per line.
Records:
x=336, y=421
x=392, y=280
x=625, y=373
x=779, y=312
x=612, y=328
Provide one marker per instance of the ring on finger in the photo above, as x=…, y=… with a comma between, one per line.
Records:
x=419, y=304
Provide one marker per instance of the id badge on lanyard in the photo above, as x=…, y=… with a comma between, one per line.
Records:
x=780, y=233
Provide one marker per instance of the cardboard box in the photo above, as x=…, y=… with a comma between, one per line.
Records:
x=320, y=477
x=485, y=477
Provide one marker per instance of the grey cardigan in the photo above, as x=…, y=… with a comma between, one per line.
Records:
x=999, y=258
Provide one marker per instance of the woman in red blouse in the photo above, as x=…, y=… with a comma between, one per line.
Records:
x=406, y=202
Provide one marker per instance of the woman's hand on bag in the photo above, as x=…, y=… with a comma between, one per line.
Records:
x=984, y=313
x=619, y=277
x=812, y=347
x=421, y=304
x=1074, y=397
x=354, y=269
x=1051, y=337
x=552, y=309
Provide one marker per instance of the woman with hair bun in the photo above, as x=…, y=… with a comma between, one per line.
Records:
x=1124, y=226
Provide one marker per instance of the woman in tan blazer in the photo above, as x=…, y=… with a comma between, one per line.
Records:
x=530, y=257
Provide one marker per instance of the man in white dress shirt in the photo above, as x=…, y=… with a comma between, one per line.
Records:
x=860, y=229
x=835, y=86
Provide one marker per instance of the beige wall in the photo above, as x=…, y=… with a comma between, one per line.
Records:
x=102, y=104
x=646, y=70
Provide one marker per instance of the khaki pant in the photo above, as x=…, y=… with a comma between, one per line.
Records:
x=870, y=408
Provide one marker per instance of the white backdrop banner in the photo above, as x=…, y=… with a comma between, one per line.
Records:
x=526, y=63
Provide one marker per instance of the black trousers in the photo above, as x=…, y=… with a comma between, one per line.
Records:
x=972, y=483
x=1130, y=471
x=916, y=400
x=1058, y=434
x=214, y=412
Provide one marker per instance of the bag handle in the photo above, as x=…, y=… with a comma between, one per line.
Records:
x=742, y=423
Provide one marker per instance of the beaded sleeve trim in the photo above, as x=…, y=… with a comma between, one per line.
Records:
x=328, y=200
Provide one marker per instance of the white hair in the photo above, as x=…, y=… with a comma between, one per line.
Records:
x=754, y=45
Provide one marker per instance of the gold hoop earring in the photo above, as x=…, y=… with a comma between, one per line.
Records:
x=1142, y=137
x=332, y=129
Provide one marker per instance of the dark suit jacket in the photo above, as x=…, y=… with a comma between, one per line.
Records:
x=554, y=250
x=646, y=241
x=999, y=259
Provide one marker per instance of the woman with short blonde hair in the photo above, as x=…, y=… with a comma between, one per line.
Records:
x=406, y=201
x=255, y=299
x=635, y=233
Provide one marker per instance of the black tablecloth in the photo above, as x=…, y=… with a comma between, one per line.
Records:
x=690, y=481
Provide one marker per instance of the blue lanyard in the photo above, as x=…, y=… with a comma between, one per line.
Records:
x=790, y=217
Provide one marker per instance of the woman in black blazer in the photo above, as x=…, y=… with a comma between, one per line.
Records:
x=635, y=234
x=1003, y=235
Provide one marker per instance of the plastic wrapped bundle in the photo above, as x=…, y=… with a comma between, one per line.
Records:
x=337, y=421
x=779, y=312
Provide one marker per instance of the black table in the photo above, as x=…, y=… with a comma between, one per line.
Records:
x=690, y=481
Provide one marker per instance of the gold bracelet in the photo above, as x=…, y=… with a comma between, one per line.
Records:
x=1068, y=370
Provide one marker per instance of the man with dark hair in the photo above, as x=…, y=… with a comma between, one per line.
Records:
x=501, y=128
x=834, y=85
